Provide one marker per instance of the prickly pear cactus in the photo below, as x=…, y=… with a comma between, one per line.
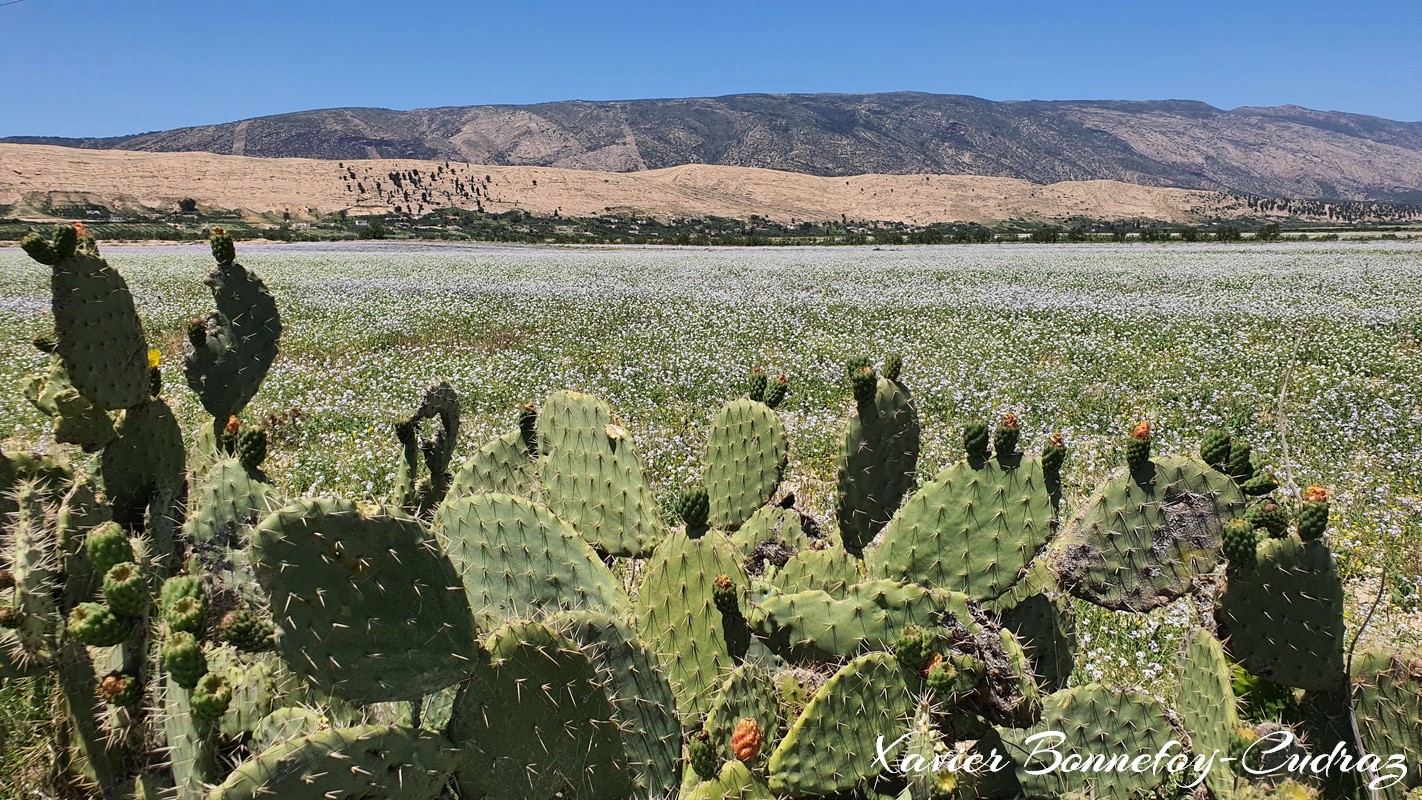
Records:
x=1283, y=618
x=503, y=465
x=1387, y=698
x=366, y=606
x=419, y=495
x=973, y=529
x=831, y=746
x=735, y=781
x=876, y=464
x=76, y=420
x=367, y=761
x=1046, y=627
x=1206, y=705
x=535, y=721
x=234, y=346
x=518, y=561
x=818, y=626
x=228, y=501
x=1091, y=719
x=678, y=619
x=1144, y=536
x=592, y=476
x=830, y=570
x=98, y=336
x=771, y=522
x=641, y=696
x=748, y=693
x=145, y=462
x=746, y=451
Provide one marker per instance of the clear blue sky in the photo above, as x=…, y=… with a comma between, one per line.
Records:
x=91, y=68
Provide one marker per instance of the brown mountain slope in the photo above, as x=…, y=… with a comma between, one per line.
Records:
x=38, y=177
x=1282, y=151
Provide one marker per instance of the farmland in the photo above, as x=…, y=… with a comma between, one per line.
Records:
x=1082, y=340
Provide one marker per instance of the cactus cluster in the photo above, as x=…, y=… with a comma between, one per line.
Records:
x=527, y=624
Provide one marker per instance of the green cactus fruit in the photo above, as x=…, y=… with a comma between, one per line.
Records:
x=210, y=697
x=756, y=384
x=366, y=604
x=641, y=696
x=1241, y=461
x=528, y=428
x=725, y=596
x=1240, y=544
x=186, y=614
x=974, y=528
x=535, y=720
x=183, y=658
x=1283, y=619
x=97, y=626
x=1137, y=544
x=913, y=648
x=1313, y=513
x=246, y=631
x=678, y=619
x=976, y=440
x=233, y=348
x=1054, y=454
x=877, y=464
x=1138, y=448
x=746, y=452
x=1094, y=720
x=893, y=366
x=368, y=761
x=1206, y=704
x=778, y=390
x=145, y=461
x=126, y=589
x=118, y=689
x=106, y=546
x=519, y=561
x=592, y=476
x=704, y=759
x=1006, y=437
x=868, y=698
x=224, y=251
x=252, y=446
x=693, y=507
x=951, y=677
x=177, y=588
x=1215, y=449
x=1268, y=516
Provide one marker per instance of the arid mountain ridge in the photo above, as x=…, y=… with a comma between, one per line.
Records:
x=1283, y=151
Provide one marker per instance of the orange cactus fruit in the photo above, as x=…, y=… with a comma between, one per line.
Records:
x=746, y=740
x=233, y=425
x=1316, y=494
x=1009, y=420
x=1141, y=432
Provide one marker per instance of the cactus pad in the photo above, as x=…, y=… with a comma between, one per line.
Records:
x=518, y=561
x=238, y=343
x=746, y=450
x=735, y=781
x=1387, y=693
x=592, y=476
x=974, y=528
x=641, y=696
x=1283, y=619
x=1138, y=544
x=227, y=502
x=144, y=462
x=748, y=693
x=831, y=746
x=830, y=570
x=1206, y=705
x=678, y=619
x=502, y=465
x=366, y=605
x=871, y=615
x=535, y=720
x=876, y=464
x=370, y=761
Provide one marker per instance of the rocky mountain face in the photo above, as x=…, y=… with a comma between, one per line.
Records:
x=1283, y=151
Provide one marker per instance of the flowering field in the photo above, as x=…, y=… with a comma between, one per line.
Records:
x=1085, y=340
